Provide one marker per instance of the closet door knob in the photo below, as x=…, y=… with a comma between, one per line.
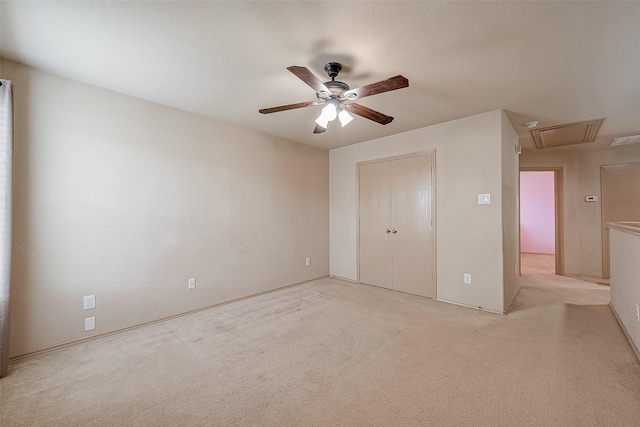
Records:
x=388, y=231
x=394, y=231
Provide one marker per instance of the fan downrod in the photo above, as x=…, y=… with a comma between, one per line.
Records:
x=332, y=69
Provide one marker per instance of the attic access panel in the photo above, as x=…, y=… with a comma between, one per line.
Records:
x=566, y=134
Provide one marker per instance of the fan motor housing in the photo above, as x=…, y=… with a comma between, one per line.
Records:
x=336, y=87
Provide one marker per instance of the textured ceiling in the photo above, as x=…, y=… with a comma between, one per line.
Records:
x=553, y=62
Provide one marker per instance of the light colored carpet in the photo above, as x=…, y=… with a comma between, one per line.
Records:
x=333, y=353
x=532, y=263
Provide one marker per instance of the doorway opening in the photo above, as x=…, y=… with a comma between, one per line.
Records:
x=541, y=221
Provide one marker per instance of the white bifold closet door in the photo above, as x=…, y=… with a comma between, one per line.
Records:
x=396, y=231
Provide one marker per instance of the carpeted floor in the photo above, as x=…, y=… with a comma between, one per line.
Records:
x=333, y=353
x=537, y=263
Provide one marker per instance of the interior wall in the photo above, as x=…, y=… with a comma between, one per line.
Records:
x=126, y=199
x=537, y=212
x=510, y=212
x=468, y=156
x=582, y=220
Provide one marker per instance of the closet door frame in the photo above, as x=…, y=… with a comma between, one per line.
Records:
x=432, y=153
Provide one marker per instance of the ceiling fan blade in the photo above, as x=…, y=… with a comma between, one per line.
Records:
x=393, y=83
x=289, y=107
x=309, y=78
x=368, y=113
x=319, y=129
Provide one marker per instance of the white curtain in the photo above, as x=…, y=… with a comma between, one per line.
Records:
x=6, y=175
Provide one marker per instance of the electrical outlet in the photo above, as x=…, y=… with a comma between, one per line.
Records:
x=89, y=323
x=515, y=267
x=638, y=312
x=308, y=262
x=192, y=283
x=467, y=278
x=89, y=302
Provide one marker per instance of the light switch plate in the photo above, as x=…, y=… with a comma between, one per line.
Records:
x=484, y=199
x=467, y=278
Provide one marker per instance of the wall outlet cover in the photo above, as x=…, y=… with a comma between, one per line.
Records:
x=192, y=283
x=467, y=278
x=89, y=323
x=484, y=199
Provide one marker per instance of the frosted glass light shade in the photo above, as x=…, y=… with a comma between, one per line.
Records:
x=322, y=121
x=329, y=112
x=345, y=117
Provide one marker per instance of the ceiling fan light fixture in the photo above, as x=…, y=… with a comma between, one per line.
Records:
x=345, y=118
x=334, y=94
x=330, y=112
x=322, y=121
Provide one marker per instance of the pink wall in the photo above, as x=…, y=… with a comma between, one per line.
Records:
x=537, y=212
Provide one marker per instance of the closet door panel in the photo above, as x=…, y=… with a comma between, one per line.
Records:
x=412, y=195
x=375, y=218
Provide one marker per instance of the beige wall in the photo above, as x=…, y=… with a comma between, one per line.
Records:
x=510, y=211
x=469, y=155
x=127, y=200
x=625, y=285
x=582, y=220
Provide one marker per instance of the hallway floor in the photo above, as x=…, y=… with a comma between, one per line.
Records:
x=546, y=264
x=537, y=263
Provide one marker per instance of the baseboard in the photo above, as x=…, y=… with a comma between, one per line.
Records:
x=343, y=278
x=470, y=306
x=626, y=333
x=142, y=325
x=435, y=299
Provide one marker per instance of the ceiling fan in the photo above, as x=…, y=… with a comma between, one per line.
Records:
x=338, y=97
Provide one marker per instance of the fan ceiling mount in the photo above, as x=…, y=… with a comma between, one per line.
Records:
x=338, y=97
